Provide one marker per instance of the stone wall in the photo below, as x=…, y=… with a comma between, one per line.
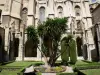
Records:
x=96, y=15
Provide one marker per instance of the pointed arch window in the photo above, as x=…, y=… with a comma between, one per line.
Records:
x=79, y=27
x=42, y=14
x=60, y=12
x=77, y=10
x=24, y=15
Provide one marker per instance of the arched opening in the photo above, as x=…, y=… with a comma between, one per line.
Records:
x=42, y=14
x=2, y=52
x=79, y=46
x=60, y=11
x=16, y=46
x=30, y=49
x=77, y=10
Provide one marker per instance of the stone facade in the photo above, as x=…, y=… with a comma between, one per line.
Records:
x=16, y=15
x=96, y=30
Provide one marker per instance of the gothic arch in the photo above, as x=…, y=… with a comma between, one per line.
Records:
x=60, y=11
x=79, y=46
x=77, y=10
x=42, y=13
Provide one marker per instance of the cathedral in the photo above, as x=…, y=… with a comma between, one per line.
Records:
x=17, y=15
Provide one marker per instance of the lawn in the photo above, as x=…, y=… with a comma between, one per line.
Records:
x=91, y=72
x=88, y=68
x=16, y=67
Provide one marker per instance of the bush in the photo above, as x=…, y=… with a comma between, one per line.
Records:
x=64, y=52
x=73, y=56
x=88, y=67
x=58, y=69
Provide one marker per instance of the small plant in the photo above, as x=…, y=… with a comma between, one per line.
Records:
x=58, y=69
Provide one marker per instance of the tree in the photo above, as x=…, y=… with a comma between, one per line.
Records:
x=50, y=33
x=32, y=36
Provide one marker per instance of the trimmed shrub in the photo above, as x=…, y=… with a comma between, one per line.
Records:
x=73, y=56
x=88, y=67
x=64, y=52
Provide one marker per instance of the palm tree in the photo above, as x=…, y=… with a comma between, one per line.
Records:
x=52, y=30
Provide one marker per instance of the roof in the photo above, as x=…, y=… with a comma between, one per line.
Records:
x=96, y=8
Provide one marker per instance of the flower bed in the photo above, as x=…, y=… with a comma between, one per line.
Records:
x=51, y=70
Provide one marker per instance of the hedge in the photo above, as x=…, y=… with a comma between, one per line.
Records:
x=88, y=67
x=64, y=52
x=73, y=56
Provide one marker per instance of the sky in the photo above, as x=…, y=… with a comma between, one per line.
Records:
x=92, y=1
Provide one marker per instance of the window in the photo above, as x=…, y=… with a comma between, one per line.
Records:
x=60, y=12
x=77, y=11
x=24, y=15
x=79, y=24
x=42, y=14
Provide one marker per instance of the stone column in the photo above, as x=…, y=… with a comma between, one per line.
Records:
x=7, y=45
x=90, y=38
x=39, y=56
x=91, y=45
x=20, y=52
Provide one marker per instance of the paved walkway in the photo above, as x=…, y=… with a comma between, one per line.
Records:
x=69, y=69
x=29, y=69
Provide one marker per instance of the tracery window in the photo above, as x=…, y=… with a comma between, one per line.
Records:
x=24, y=15
x=79, y=25
x=42, y=14
x=60, y=12
x=77, y=10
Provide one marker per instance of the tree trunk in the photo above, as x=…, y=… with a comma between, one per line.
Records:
x=45, y=58
x=53, y=59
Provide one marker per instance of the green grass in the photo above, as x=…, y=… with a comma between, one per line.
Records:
x=91, y=72
x=9, y=73
x=86, y=63
x=88, y=68
x=24, y=63
x=7, y=68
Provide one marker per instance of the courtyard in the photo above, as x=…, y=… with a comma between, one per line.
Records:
x=49, y=37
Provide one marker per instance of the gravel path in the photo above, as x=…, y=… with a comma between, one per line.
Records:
x=69, y=69
x=29, y=69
